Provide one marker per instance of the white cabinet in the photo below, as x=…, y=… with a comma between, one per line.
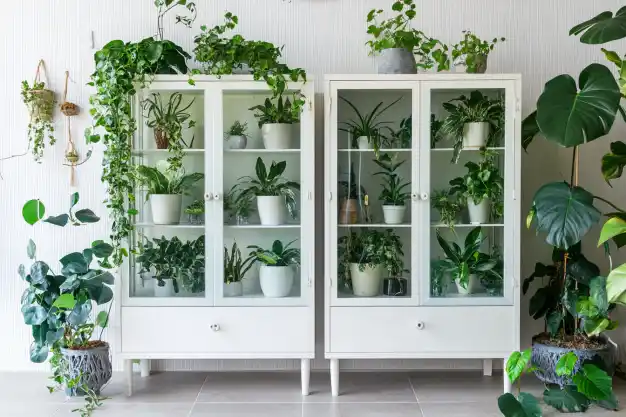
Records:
x=401, y=285
x=203, y=316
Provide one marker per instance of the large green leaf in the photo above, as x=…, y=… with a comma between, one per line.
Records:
x=614, y=228
x=582, y=270
x=80, y=314
x=33, y=211
x=101, y=249
x=553, y=322
x=565, y=213
x=87, y=216
x=565, y=365
x=571, y=117
x=60, y=220
x=616, y=285
x=530, y=404
x=65, y=301
x=34, y=314
x=530, y=129
x=102, y=319
x=594, y=383
x=613, y=162
x=38, y=272
x=38, y=353
x=524, y=407
x=517, y=363
x=603, y=28
x=597, y=294
x=566, y=399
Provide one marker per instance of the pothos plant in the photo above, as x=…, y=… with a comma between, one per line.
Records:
x=40, y=104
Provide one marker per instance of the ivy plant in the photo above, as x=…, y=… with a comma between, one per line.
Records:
x=40, y=104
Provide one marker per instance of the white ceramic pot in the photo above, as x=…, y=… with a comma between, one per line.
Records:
x=276, y=281
x=363, y=142
x=272, y=210
x=479, y=213
x=366, y=283
x=166, y=291
x=276, y=135
x=473, y=286
x=393, y=214
x=166, y=208
x=237, y=142
x=233, y=289
x=475, y=135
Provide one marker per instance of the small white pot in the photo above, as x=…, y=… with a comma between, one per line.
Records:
x=237, y=142
x=166, y=291
x=276, y=135
x=393, y=214
x=363, y=142
x=276, y=281
x=479, y=213
x=166, y=208
x=475, y=135
x=473, y=286
x=272, y=210
x=366, y=283
x=233, y=289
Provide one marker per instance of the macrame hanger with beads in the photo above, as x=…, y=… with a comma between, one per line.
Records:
x=69, y=110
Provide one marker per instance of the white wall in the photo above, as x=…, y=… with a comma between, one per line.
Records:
x=323, y=36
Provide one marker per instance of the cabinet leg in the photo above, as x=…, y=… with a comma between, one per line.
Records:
x=334, y=377
x=305, y=375
x=507, y=381
x=145, y=367
x=128, y=371
x=487, y=367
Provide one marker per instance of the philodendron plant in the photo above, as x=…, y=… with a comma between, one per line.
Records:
x=279, y=255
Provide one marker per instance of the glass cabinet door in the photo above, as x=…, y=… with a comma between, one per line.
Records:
x=467, y=190
x=373, y=163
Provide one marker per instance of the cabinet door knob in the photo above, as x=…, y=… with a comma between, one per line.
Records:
x=216, y=196
x=414, y=196
x=215, y=327
x=424, y=196
x=208, y=196
x=420, y=325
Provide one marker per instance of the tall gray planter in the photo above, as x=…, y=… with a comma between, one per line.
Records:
x=396, y=61
x=92, y=365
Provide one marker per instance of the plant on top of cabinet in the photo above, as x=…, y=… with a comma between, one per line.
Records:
x=272, y=192
x=466, y=265
x=449, y=206
x=400, y=138
x=365, y=255
x=365, y=132
x=235, y=269
x=40, y=104
x=473, y=123
x=167, y=122
x=276, y=120
x=393, y=194
x=472, y=52
x=482, y=187
x=397, y=42
x=239, y=204
x=352, y=197
x=276, y=273
x=165, y=190
x=236, y=135
x=195, y=211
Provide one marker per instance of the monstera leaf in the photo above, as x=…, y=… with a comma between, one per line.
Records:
x=613, y=162
x=572, y=117
x=566, y=399
x=530, y=129
x=565, y=213
x=603, y=28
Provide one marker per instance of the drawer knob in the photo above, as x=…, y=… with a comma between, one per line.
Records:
x=215, y=327
x=420, y=325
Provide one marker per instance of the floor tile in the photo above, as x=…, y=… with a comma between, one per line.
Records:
x=167, y=387
x=28, y=409
x=363, y=387
x=252, y=387
x=361, y=410
x=23, y=387
x=246, y=410
x=466, y=409
x=456, y=387
x=132, y=410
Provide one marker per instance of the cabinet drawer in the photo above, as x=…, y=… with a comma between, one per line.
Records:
x=422, y=329
x=242, y=330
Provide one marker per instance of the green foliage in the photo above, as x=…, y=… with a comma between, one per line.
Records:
x=197, y=207
x=525, y=405
x=471, y=49
x=279, y=112
x=371, y=248
x=400, y=138
x=435, y=130
x=482, y=181
x=603, y=28
x=448, y=206
x=397, y=32
x=278, y=255
x=238, y=203
x=393, y=192
x=163, y=180
x=613, y=162
x=518, y=364
x=351, y=190
x=40, y=103
x=235, y=267
x=33, y=211
x=565, y=365
x=567, y=399
x=616, y=285
x=165, y=6
x=240, y=129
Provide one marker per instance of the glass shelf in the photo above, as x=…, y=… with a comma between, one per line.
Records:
x=375, y=225
x=261, y=151
x=442, y=225
x=165, y=153
x=498, y=148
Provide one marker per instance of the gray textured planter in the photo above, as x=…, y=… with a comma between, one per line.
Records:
x=396, y=61
x=93, y=365
x=546, y=357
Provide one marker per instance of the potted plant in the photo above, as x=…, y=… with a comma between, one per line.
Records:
x=353, y=195
x=482, y=188
x=195, y=212
x=272, y=192
x=236, y=135
x=190, y=261
x=235, y=269
x=471, y=53
x=401, y=138
x=365, y=256
x=466, y=265
x=435, y=131
x=276, y=272
x=393, y=194
x=167, y=121
x=365, y=131
x=397, y=43
x=448, y=206
x=165, y=190
x=276, y=120
x=159, y=258
x=472, y=122
x=40, y=104
x=239, y=204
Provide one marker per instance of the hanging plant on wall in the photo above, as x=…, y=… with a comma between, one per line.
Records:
x=40, y=104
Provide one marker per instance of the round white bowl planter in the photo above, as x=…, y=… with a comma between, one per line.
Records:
x=393, y=214
x=473, y=285
x=363, y=142
x=166, y=208
x=272, y=210
x=233, y=289
x=237, y=142
x=165, y=291
x=276, y=281
x=276, y=135
x=475, y=135
x=366, y=283
x=479, y=213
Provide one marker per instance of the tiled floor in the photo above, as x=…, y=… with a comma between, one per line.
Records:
x=278, y=395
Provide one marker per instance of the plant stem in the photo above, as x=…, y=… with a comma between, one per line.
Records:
x=609, y=203
x=574, y=173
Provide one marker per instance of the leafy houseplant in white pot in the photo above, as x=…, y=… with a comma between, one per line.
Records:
x=393, y=194
x=396, y=43
x=239, y=205
x=236, y=135
x=276, y=121
x=449, y=206
x=482, y=188
x=235, y=269
x=277, y=268
x=471, y=53
x=272, y=192
x=475, y=122
x=165, y=190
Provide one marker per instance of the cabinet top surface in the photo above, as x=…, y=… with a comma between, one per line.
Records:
x=450, y=76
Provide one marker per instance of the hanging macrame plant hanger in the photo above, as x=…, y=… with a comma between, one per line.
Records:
x=71, y=154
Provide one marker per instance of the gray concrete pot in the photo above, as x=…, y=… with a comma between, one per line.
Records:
x=93, y=364
x=396, y=61
x=546, y=357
